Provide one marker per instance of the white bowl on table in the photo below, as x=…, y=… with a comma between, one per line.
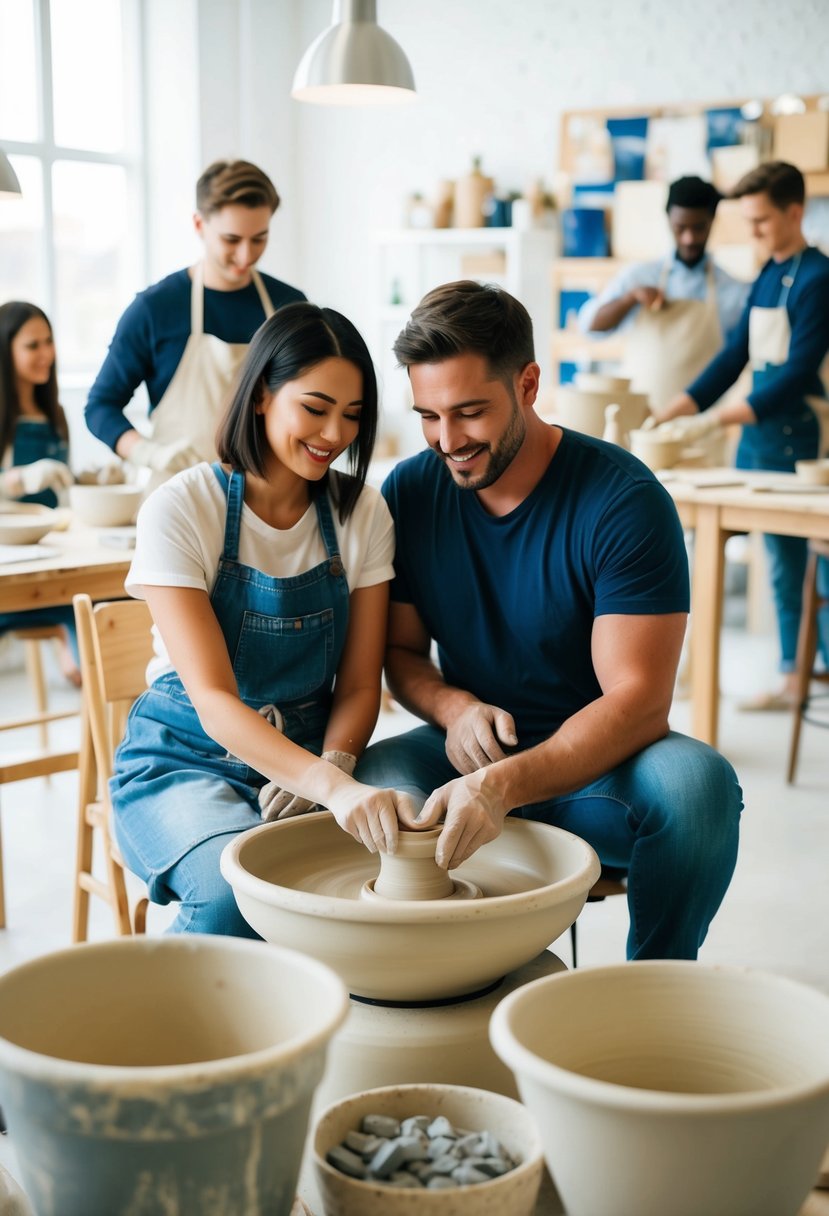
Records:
x=813, y=472
x=24, y=523
x=105, y=506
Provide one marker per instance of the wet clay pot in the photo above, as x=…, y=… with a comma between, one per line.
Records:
x=164, y=1075
x=672, y=1087
x=301, y=881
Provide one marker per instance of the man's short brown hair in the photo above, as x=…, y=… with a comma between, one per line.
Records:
x=229, y=182
x=782, y=182
x=467, y=317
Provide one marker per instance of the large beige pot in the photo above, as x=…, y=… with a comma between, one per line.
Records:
x=300, y=882
x=584, y=410
x=673, y=1088
x=164, y=1076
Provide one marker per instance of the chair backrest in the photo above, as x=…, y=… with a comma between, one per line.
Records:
x=115, y=645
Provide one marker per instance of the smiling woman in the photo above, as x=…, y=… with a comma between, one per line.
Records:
x=267, y=578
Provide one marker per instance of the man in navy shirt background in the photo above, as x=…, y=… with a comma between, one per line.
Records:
x=185, y=336
x=784, y=334
x=550, y=570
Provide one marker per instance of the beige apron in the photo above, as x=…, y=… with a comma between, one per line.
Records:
x=769, y=338
x=192, y=403
x=666, y=350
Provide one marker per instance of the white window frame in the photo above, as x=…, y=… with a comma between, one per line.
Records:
x=47, y=152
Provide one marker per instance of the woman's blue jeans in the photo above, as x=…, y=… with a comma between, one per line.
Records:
x=669, y=815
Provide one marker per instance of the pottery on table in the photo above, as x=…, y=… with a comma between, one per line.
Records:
x=164, y=1075
x=300, y=882
x=813, y=472
x=105, y=506
x=513, y=1194
x=655, y=450
x=584, y=410
x=672, y=1087
x=25, y=523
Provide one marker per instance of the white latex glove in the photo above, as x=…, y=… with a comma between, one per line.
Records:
x=163, y=457
x=689, y=426
x=371, y=815
x=277, y=803
x=107, y=475
x=474, y=814
x=42, y=475
x=475, y=737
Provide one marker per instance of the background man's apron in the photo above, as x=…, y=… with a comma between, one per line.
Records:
x=198, y=392
x=666, y=350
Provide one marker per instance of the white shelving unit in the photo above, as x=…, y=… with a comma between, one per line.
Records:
x=411, y=261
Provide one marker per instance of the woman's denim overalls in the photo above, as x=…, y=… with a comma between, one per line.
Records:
x=38, y=440
x=178, y=796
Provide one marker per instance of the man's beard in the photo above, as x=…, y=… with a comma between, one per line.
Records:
x=500, y=457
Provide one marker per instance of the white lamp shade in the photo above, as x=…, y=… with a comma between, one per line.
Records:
x=9, y=185
x=354, y=62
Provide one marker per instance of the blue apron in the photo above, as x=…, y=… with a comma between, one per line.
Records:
x=776, y=443
x=38, y=440
x=175, y=787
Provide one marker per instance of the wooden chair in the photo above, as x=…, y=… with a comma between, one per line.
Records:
x=115, y=646
x=807, y=644
x=611, y=882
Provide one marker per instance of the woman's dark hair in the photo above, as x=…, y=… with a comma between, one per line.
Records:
x=13, y=316
x=294, y=339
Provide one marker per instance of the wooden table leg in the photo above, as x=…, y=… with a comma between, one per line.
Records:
x=87, y=791
x=706, y=622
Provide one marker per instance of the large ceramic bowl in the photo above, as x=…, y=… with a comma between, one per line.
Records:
x=513, y=1194
x=164, y=1075
x=299, y=883
x=24, y=523
x=672, y=1087
x=813, y=472
x=598, y=382
x=105, y=506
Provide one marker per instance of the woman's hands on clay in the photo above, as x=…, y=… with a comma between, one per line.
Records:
x=474, y=814
x=370, y=815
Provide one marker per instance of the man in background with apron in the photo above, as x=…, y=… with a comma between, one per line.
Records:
x=185, y=336
x=784, y=336
x=674, y=313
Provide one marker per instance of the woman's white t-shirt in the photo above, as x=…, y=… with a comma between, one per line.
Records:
x=180, y=537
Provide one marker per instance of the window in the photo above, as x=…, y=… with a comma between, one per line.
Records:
x=70, y=106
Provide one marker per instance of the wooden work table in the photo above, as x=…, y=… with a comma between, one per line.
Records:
x=709, y=502
x=81, y=564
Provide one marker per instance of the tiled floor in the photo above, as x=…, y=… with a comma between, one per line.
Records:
x=775, y=914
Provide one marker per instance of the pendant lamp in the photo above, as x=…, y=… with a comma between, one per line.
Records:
x=9, y=185
x=354, y=62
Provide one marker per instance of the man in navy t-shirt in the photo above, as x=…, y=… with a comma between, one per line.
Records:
x=550, y=570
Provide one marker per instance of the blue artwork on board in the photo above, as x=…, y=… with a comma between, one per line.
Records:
x=567, y=372
x=629, y=137
x=583, y=233
x=724, y=127
x=569, y=303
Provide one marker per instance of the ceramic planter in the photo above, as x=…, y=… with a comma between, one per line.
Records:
x=673, y=1087
x=164, y=1075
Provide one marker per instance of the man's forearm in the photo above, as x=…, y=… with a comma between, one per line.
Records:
x=592, y=742
x=419, y=686
x=613, y=313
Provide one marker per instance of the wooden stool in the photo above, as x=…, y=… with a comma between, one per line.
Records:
x=612, y=881
x=807, y=644
x=31, y=637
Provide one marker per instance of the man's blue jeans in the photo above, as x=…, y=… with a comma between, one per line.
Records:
x=669, y=815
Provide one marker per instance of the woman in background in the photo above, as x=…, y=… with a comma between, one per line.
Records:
x=267, y=576
x=34, y=443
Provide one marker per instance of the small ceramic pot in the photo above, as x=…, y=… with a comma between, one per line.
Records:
x=164, y=1075
x=655, y=451
x=814, y=472
x=673, y=1087
x=105, y=506
x=584, y=410
x=513, y=1193
x=412, y=872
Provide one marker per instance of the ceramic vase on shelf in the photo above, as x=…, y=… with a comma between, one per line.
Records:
x=471, y=193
